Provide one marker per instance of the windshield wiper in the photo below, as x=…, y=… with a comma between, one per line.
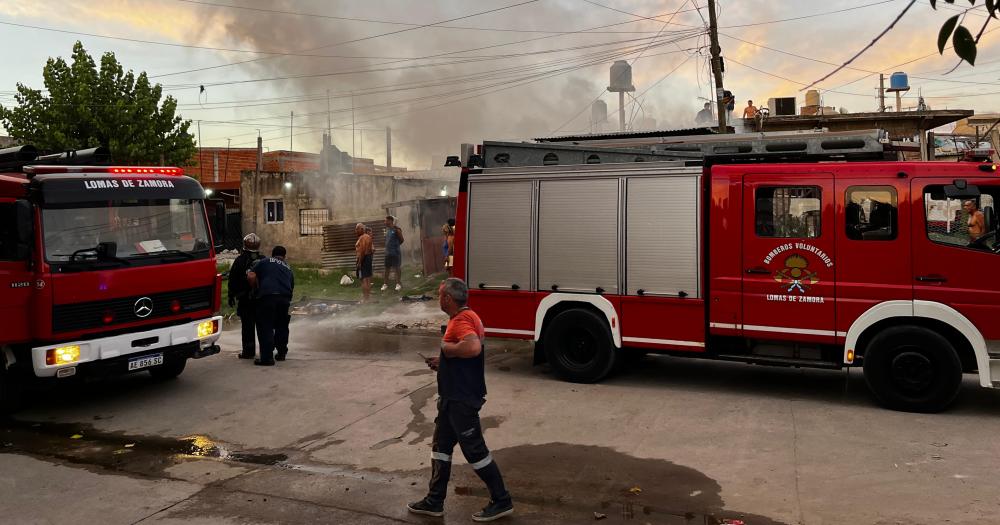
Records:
x=99, y=253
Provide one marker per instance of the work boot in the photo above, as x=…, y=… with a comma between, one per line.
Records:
x=244, y=356
x=425, y=508
x=258, y=362
x=279, y=357
x=494, y=511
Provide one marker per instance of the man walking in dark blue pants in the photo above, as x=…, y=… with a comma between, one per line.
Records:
x=274, y=281
x=461, y=379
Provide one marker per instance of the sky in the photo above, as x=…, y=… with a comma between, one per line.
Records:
x=443, y=72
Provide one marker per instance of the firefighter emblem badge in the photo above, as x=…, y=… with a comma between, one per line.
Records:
x=796, y=276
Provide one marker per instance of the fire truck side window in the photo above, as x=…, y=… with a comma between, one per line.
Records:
x=871, y=213
x=8, y=233
x=968, y=223
x=788, y=211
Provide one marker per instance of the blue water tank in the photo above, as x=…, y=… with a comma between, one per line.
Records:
x=899, y=81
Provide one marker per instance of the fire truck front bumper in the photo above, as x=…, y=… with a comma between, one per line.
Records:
x=196, y=339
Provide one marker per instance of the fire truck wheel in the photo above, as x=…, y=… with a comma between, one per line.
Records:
x=168, y=370
x=912, y=369
x=11, y=389
x=578, y=346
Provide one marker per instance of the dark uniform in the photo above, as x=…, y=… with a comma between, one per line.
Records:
x=462, y=392
x=274, y=296
x=241, y=293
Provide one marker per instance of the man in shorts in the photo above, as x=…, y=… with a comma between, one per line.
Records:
x=364, y=251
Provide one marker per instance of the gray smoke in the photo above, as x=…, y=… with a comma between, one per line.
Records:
x=513, y=114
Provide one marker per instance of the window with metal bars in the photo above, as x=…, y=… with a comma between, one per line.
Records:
x=311, y=221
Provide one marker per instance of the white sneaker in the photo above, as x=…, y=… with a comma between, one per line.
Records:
x=385, y=287
x=399, y=287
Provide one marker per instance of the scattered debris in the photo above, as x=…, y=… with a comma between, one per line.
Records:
x=129, y=445
x=935, y=456
x=635, y=490
x=939, y=445
x=415, y=298
x=346, y=280
x=728, y=521
x=599, y=516
x=76, y=436
x=401, y=326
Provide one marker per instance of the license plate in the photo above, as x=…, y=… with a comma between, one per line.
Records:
x=145, y=361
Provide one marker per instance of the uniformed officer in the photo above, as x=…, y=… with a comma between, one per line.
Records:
x=273, y=280
x=461, y=379
x=241, y=293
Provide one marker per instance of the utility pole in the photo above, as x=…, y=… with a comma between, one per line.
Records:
x=388, y=149
x=201, y=161
x=328, y=125
x=881, y=93
x=352, y=128
x=713, y=33
x=225, y=171
x=291, y=131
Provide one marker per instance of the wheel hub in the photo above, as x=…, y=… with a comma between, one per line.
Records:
x=912, y=371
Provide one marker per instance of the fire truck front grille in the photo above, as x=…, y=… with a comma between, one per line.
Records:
x=97, y=314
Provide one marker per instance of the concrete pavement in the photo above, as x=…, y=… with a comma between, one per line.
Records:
x=340, y=433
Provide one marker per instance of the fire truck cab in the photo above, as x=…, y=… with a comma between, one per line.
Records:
x=104, y=270
x=891, y=266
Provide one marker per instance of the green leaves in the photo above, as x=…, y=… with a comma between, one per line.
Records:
x=965, y=45
x=90, y=104
x=961, y=38
x=946, y=30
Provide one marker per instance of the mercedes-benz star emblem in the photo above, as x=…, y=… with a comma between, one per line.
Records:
x=143, y=307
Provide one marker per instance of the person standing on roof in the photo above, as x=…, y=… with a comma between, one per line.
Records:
x=461, y=379
x=704, y=117
x=393, y=254
x=241, y=293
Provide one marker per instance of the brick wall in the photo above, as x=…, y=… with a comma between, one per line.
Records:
x=226, y=164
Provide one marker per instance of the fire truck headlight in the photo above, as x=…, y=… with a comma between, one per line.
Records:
x=63, y=355
x=207, y=328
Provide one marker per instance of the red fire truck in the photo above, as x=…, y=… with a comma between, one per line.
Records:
x=821, y=262
x=104, y=269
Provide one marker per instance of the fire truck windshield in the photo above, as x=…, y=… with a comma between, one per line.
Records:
x=125, y=231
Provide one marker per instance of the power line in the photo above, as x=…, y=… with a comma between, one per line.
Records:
x=361, y=39
x=387, y=22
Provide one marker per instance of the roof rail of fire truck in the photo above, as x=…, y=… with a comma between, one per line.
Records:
x=17, y=158
x=811, y=146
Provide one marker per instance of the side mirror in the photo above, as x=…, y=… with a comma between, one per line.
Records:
x=25, y=224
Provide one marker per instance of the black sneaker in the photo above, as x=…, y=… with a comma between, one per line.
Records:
x=279, y=357
x=425, y=508
x=494, y=511
x=241, y=356
x=258, y=362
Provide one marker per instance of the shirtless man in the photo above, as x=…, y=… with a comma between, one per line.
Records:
x=977, y=223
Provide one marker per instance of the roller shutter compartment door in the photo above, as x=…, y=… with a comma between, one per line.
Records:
x=500, y=234
x=578, y=235
x=662, y=236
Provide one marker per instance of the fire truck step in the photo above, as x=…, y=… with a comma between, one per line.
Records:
x=780, y=361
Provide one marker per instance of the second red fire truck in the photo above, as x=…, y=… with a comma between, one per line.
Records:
x=744, y=256
x=103, y=270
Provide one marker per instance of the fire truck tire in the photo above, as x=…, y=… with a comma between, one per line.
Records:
x=11, y=390
x=912, y=369
x=578, y=346
x=168, y=370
